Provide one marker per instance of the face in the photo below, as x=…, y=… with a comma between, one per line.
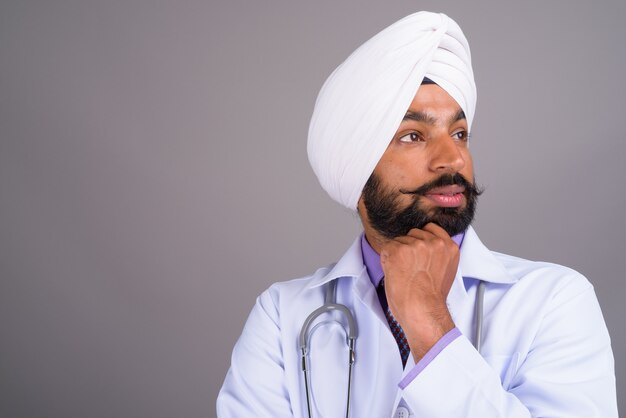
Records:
x=426, y=173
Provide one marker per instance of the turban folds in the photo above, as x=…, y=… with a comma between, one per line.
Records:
x=362, y=103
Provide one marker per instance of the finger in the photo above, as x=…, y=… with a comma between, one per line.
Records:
x=407, y=240
x=410, y=237
x=436, y=230
x=398, y=241
x=419, y=234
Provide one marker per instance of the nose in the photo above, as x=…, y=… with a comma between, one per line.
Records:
x=446, y=157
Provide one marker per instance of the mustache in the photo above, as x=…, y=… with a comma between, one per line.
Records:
x=455, y=179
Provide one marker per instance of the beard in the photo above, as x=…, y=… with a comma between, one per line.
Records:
x=387, y=216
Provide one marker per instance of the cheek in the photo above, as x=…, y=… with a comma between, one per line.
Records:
x=390, y=171
x=401, y=171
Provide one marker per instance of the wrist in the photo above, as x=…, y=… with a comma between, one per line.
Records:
x=422, y=335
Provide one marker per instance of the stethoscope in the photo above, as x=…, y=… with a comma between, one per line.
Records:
x=330, y=304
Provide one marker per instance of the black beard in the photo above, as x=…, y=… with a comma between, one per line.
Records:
x=390, y=220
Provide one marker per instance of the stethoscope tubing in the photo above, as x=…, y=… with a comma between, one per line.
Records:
x=351, y=335
x=330, y=305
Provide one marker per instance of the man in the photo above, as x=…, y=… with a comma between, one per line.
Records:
x=446, y=328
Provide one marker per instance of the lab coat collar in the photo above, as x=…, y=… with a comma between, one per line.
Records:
x=350, y=265
x=476, y=262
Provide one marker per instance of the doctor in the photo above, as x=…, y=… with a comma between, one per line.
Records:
x=389, y=138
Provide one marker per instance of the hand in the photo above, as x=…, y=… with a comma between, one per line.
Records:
x=419, y=270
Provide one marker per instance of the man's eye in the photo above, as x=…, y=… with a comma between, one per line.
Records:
x=412, y=137
x=461, y=136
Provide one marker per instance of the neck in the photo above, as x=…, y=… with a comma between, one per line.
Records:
x=376, y=240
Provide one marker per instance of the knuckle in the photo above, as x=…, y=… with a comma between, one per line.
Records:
x=452, y=246
x=420, y=245
x=439, y=244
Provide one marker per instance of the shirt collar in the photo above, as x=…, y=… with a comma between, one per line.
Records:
x=371, y=259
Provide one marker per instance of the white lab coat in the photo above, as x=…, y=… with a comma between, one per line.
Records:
x=546, y=350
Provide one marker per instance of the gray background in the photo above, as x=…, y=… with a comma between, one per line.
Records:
x=154, y=180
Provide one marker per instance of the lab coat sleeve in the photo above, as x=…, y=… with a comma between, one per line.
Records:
x=567, y=372
x=255, y=383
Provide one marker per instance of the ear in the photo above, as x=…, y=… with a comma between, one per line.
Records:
x=360, y=208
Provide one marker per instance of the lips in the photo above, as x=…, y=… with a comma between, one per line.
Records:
x=447, y=196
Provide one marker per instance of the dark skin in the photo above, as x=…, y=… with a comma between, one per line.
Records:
x=420, y=267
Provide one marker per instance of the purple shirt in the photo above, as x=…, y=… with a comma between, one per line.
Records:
x=371, y=259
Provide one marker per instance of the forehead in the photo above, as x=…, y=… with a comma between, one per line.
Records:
x=435, y=103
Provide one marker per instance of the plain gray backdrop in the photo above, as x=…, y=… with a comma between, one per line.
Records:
x=154, y=178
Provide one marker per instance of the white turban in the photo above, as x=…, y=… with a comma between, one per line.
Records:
x=362, y=103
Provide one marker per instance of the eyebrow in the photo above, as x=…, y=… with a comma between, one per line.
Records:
x=459, y=116
x=430, y=119
x=420, y=117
